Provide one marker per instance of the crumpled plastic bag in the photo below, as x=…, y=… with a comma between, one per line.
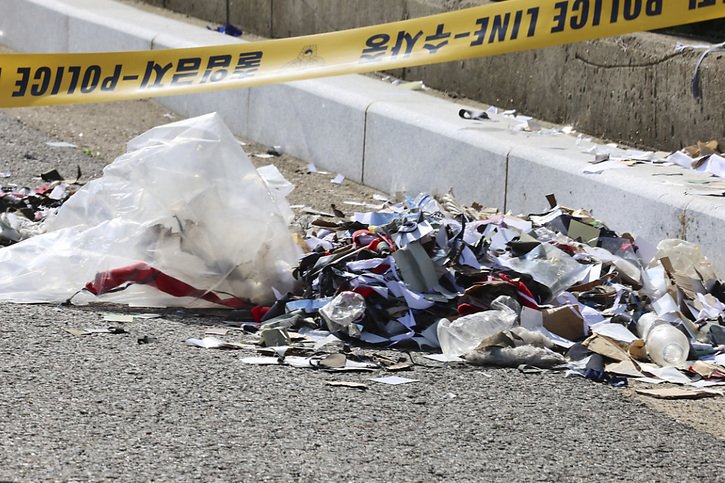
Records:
x=466, y=333
x=185, y=202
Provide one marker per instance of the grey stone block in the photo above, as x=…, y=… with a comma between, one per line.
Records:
x=31, y=26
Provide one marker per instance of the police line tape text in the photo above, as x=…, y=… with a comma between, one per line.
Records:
x=73, y=79
x=569, y=15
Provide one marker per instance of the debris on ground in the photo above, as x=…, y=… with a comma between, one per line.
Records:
x=465, y=284
x=23, y=209
x=183, y=218
x=227, y=29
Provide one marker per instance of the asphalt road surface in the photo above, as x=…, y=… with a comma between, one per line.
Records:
x=105, y=407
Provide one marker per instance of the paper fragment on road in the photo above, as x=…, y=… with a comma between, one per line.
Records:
x=603, y=166
x=394, y=380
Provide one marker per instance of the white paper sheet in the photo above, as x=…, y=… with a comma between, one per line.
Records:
x=394, y=380
x=614, y=331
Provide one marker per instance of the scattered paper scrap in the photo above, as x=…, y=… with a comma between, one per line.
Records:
x=60, y=144
x=443, y=358
x=603, y=166
x=114, y=317
x=214, y=343
x=76, y=332
x=354, y=385
x=220, y=331
x=262, y=361
x=394, y=380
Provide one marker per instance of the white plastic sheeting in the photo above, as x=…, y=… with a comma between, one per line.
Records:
x=185, y=200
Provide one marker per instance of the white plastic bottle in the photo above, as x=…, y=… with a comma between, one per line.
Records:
x=666, y=345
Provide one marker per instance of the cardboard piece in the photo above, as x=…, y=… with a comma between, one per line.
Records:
x=637, y=351
x=565, y=321
x=606, y=347
x=624, y=368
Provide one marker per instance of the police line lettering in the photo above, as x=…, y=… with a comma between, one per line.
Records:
x=494, y=29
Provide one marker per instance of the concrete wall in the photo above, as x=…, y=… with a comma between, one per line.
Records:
x=631, y=89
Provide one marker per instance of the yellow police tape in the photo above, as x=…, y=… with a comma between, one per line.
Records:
x=43, y=79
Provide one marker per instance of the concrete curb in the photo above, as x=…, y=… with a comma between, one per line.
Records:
x=387, y=137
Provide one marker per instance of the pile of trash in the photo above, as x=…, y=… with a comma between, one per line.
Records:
x=184, y=219
x=547, y=290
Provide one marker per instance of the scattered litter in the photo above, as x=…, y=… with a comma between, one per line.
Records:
x=147, y=340
x=275, y=151
x=678, y=393
x=473, y=115
x=262, y=361
x=443, y=358
x=466, y=284
x=400, y=366
x=95, y=330
x=147, y=316
x=5, y=174
x=113, y=317
x=274, y=337
x=214, y=343
x=410, y=85
x=227, y=29
x=76, y=332
x=330, y=339
x=60, y=144
x=354, y=385
x=311, y=211
x=338, y=179
x=393, y=380
x=603, y=166
x=220, y=331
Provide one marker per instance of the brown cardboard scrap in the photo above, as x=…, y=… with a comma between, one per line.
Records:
x=637, y=351
x=565, y=321
x=606, y=347
x=624, y=368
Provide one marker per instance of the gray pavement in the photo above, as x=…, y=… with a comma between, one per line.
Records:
x=104, y=407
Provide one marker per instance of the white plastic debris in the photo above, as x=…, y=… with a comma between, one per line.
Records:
x=185, y=201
